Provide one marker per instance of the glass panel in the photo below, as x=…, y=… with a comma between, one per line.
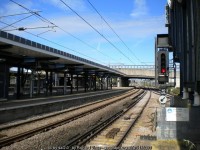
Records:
x=28, y=42
x=3, y=34
x=34, y=44
x=23, y=40
x=10, y=36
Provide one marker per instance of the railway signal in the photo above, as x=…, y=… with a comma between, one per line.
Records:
x=163, y=66
x=163, y=63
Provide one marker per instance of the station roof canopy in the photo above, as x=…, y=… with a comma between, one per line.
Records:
x=18, y=51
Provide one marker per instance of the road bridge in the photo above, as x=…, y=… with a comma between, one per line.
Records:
x=136, y=71
x=145, y=72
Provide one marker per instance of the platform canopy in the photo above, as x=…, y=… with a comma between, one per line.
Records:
x=18, y=51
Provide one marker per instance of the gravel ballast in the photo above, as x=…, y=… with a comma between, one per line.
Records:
x=58, y=137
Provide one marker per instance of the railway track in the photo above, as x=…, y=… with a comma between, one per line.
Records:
x=113, y=131
x=58, y=113
x=24, y=135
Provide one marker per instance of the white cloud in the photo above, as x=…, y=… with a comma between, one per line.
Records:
x=12, y=8
x=127, y=29
x=142, y=28
x=140, y=8
x=136, y=29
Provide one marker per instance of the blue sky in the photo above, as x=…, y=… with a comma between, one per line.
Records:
x=135, y=21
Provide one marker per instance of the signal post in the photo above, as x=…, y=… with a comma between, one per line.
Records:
x=162, y=59
x=162, y=65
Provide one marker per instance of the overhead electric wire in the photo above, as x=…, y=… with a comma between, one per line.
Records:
x=113, y=30
x=46, y=32
x=56, y=43
x=16, y=22
x=64, y=47
x=85, y=43
x=48, y=21
x=96, y=31
x=18, y=14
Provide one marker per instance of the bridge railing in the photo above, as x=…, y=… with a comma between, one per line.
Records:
x=149, y=67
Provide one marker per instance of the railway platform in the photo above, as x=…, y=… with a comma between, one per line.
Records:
x=25, y=108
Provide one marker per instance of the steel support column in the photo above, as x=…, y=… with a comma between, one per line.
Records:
x=71, y=84
x=86, y=81
x=22, y=82
x=77, y=82
x=47, y=83
x=65, y=84
x=38, y=84
x=95, y=82
x=50, y=83
x=31, y=84
x=90, y=82
x=107, y=83
x=18, y=82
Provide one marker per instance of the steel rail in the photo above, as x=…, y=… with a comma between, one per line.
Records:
x=18, y=137
x=83, y=139
x=131, y=125
x=59, y=113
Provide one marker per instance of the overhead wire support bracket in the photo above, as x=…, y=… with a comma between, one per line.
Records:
x=23, y=29
x=47, y=21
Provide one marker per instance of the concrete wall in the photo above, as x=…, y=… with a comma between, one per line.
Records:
x=138, y=72
x=189, y=130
